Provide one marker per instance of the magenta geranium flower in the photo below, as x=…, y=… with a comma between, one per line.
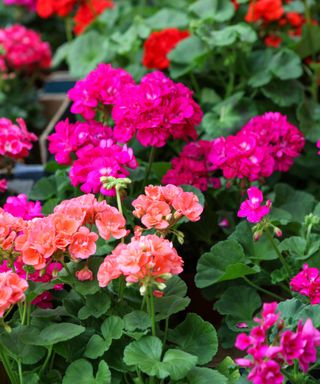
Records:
x=252, y=208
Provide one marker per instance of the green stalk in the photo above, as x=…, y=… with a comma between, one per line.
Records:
x=152, y=314
x=267, y=292
x=20, y=371
x=281, y=258
x=46, y=360
x=150, y=162
x=7, y=366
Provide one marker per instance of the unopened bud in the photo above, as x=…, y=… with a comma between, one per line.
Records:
x=257, y=235
x=277, y=231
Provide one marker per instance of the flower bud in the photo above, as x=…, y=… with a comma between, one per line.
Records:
x=277, y=231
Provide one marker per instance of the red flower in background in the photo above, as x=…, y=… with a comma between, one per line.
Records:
x=273, y=41
x=47, y=8
x=236, y=5
x=159, y=44
x=87, y=12
x=264, y=10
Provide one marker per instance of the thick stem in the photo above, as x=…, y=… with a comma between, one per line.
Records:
x=152, y=314
x=149, y=166
x=46, y=360
x=7, y=366
x=281, y=258
x=274, y=295
x=20, y=372
x=68, y=25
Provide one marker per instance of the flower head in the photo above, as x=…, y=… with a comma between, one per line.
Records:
x=307, y=283
x=12, y=288
x=19, y=206
x=252, y=208
x=159, y=44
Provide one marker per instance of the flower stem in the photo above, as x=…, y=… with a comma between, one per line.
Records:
x=267, y=292
x=68, y=25
x=281, y=258
x=20, y=372
x=149, y=166
x=150, y=306
x=7, y=366
x=46, y=360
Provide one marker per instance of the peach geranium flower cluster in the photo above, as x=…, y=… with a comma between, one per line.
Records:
x=12, y=288
x=63, y=231
x=162, y=207
x=147, y=260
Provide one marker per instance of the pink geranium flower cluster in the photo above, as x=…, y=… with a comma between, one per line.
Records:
x=156, y=110
x=101, y=87
x=163, y=207
x=285, y=347
x=147, y=260
x=3, y=185
x=23, y=50
x=94, y=153
x=268, y=143
x=252, y=208
x=15, y=140
x=19, y=206
x=192, y=167
x=12, y=288
x=29, y=4
x=71, y=139
x=307, y=283
x=66, y=229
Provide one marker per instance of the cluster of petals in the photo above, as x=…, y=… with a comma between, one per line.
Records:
x=10, y=226
x=307, y=283
x=159, y=44
x=29, y=4
x=75, y=138
x=252, y=208
x=107, y=159
x=156, y=110
x=15, y=139
x=101, y=87
x=84, y=274
x=147, y=260
x=66, y=231
x=264, y=10
x=268, y=358
x=192, y=167
x=12, y=288
x=19, y=206
x=266, y=144
x=23, y=50
x=85, y=12
x=161, y=207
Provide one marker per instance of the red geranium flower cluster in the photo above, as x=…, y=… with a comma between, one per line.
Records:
x=22, y=49
x=307, y=283
x=84, y=11
x=273, y=11
x=159, y=44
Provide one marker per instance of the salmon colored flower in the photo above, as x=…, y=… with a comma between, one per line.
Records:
x=84, y=274
x=110, y=222
x=12, y=288
x=163, y=207
x=147, y=260
x=83, y=244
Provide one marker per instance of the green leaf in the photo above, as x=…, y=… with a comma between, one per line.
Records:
x=96, y=305
x=286, y=65
x=239, y=303
x=43, y=189
x=96, y=347
x=229, y=35
x=187, y=51
x=137, y=320
x=112, y=328
x=205, y=376
x=178, y=363
x=309, y=118
x=284, y=93
x=169, y=305
x=31, y=378
x=196, y=336
x=87, y=51
x=167, y=18
x=259, y=68
x=216, y=10
x=55, y=333
x=309, y=44
x=228, y=368
x=146, y=354
x=81, y=372
x=225, y=261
